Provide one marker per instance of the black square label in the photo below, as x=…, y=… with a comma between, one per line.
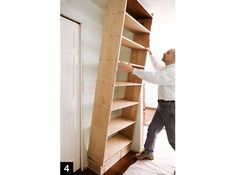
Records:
x=66, y=168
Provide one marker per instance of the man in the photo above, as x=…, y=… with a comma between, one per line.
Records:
x=165, y=113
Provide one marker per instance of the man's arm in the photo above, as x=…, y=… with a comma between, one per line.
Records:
x=158, y=77
x=157, y=65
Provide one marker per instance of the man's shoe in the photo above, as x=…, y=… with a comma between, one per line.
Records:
x=144, y=155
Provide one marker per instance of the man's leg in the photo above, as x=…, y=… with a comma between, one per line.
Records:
x=168, y=116
x=154, y=128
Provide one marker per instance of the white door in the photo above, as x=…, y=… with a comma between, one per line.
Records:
x=70, y=77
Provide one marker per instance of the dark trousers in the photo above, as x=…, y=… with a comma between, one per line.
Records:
x=164, y=116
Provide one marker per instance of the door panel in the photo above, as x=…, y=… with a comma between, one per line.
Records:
x=70, y=127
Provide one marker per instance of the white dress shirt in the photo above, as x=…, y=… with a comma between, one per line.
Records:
x=164, y=77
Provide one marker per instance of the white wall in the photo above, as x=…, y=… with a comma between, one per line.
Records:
x=162, y=38
x=90, y=16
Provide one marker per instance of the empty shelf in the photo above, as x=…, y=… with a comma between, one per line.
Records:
x=123, y=83
x=115, y=144
x=117, y=124
x=121, y=103
x=133, y=25
x=136, y=9
x=131, y=44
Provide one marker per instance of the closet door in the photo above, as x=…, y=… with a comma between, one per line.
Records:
x=70, y=125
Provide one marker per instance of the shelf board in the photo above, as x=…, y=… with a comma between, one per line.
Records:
x=132, y=64
x=131, y=44
x=136, y=9
x=137, y=65
x=123, y=83
x=118, y=123
x=133, y=25
x=122, y=103
x=115, y=144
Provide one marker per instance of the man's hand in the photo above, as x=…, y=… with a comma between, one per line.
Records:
x=126, y=67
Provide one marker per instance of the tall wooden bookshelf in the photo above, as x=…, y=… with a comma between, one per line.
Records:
x=117, y=99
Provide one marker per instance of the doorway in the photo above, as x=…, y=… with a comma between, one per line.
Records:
x=70, y=93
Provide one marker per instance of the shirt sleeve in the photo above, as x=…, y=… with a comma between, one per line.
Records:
x=158, y=77
x=157, y=64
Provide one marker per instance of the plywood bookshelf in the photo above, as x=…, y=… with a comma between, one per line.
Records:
x=111, y=136
x=133, y=25
x=118, y=123
x=131, y=44
x=120, y=83
x=122, y=103
x=116, y=144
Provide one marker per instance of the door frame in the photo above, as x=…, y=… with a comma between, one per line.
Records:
x=79, y=116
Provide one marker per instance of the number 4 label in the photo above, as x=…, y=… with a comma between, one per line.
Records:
x=66, y=168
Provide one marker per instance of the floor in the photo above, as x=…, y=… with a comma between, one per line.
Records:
x=118, y=169
x=163, y=164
